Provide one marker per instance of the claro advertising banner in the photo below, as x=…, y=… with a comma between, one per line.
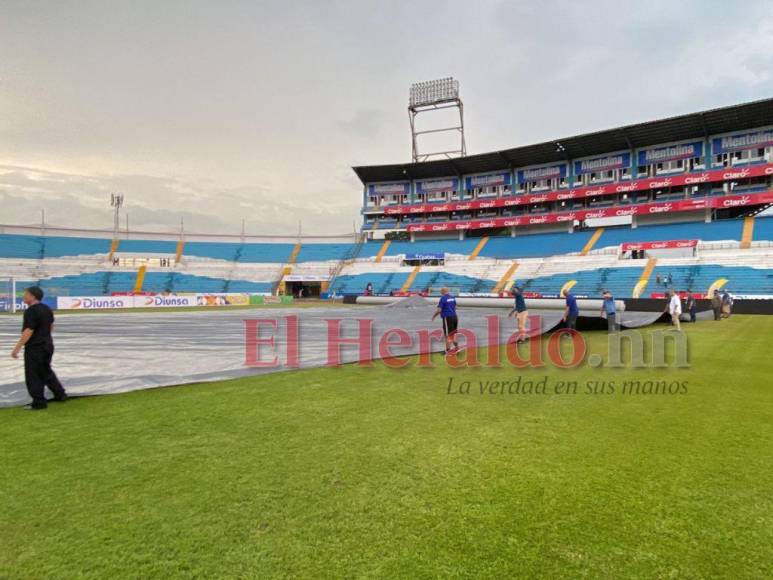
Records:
x=719, y=202
x=714, y=176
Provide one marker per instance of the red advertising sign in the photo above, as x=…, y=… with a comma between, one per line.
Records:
x=667, y=245
x=716, y=175
x=719, y=202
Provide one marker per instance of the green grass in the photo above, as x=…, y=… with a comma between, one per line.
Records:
x=380, y=473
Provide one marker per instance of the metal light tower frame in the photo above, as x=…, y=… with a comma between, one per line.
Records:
x=433, y=96
x=116, y=202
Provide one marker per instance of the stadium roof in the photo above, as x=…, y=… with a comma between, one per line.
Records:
x=703, y=124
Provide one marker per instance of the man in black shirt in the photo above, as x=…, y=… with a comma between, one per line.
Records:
x=38, y=350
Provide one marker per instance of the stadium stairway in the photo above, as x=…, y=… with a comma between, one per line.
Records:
x=506, y=278
x=479, y=247
x=592, y=241
x=641, y=285
x=407, y=285
x=383, y=250
x=748, y=233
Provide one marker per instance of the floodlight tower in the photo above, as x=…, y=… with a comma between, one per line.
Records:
x=433, y=96
x=116, y=202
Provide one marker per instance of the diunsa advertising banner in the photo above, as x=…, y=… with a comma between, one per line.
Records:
x=159, y=301
x=94, y=302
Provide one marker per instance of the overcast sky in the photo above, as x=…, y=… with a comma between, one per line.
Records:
x=221, y=111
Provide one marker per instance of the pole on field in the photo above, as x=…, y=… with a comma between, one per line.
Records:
x=13, y=295
x=116, y=202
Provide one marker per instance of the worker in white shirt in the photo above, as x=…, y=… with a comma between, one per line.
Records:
x=675, y=309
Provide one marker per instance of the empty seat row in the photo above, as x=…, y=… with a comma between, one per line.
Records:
x=108, y=282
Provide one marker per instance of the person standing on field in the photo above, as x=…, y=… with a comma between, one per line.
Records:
x=609, y=309
x=38, y=348
x=446, y=308
x=692, y=305
x=727, y=304
x=571, y=312
x=521, y=314
x=675, y=309
x=716, y=305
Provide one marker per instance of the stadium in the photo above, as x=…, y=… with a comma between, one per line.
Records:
x=417, y=464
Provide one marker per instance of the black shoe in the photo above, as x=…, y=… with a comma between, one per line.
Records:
x=32, y=407
x=58, y=399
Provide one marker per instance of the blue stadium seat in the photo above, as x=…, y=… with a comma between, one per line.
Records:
x=763, y=228
x=714, y=231
x=324, y=252
x=147, y=246
x=104, y=283
x=621, y=281
x=536, y=245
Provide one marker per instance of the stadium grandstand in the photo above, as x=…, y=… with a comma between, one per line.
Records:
x=676, y=203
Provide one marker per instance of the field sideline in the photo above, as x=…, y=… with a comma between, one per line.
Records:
x=295, y=304
x=382, y=473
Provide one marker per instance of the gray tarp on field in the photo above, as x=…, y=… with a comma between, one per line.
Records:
x=99, y=353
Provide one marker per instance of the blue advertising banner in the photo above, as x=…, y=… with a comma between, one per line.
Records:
x=602, y=163
x=742, y=141
x=450, y=184
x=537, y=173
x=426, y=256
x=489, y=180
x=5, y=303
x=671, y=153
x=388, y=188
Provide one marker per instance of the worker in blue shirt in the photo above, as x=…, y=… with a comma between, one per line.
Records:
x=571, y=312
x=521, y=313
x=446, y=308
x=609, y=309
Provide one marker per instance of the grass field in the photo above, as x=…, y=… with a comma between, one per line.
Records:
x=356, y=472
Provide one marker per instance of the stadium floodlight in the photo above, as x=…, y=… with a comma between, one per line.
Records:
x=432, y=96
x=434, y=92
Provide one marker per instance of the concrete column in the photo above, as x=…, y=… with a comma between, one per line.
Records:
x=708, y=215
x=634, y=223
x=512, y=231
x=461, y=235
x=413, y=237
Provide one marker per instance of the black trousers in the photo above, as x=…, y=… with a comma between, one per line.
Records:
x=450, y=324
x=38, y=375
